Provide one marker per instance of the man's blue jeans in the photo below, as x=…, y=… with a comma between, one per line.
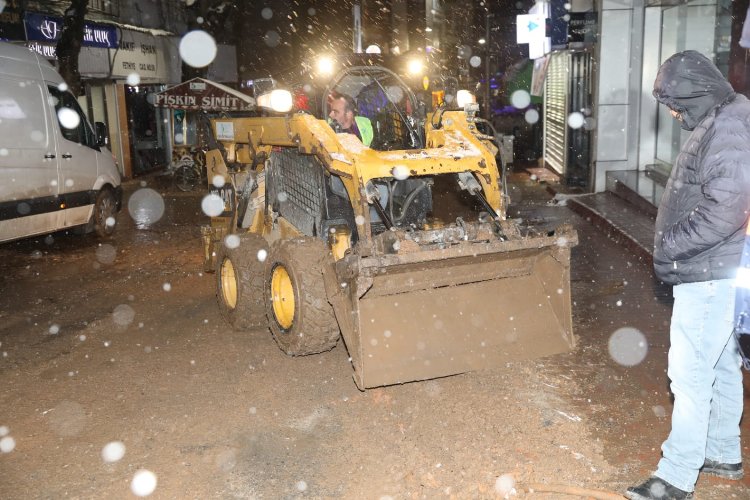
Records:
x=706, y=380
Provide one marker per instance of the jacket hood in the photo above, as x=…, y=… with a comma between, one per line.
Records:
x=689, y=83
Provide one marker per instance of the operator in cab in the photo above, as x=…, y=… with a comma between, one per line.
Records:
x=345, y=120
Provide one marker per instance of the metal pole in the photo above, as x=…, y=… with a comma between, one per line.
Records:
x=487, y=68
x=357, y=15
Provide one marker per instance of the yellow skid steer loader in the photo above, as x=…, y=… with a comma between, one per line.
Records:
x=401, y=247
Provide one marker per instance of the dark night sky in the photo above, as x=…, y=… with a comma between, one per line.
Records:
x=274, y=37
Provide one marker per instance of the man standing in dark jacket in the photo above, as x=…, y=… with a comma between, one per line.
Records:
x=697, y=248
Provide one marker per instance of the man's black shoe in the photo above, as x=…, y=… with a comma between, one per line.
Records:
x=725, y=471
x=657, y=489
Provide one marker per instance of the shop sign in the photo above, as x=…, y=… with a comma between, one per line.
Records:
x=48, y=29
x=202, y=101
x=140, y=53
x=558, y=24
x=43, y=49
x=11, y=23
x=582, y=27
x=206, y=95
x=531, y=28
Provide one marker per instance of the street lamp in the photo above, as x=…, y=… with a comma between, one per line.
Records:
x=415, y=67
x=325, y=65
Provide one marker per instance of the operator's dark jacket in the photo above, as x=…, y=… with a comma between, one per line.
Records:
x=700, y=226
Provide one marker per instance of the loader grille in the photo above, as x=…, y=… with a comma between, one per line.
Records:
x=296, y=190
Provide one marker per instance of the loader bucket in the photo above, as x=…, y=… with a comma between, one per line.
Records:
x=430, y=314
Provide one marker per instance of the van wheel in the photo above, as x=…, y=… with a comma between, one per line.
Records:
x=105, y=209
x=300, y=317
x=239, y=282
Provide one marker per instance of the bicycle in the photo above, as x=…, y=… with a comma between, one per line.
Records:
x=189, y=170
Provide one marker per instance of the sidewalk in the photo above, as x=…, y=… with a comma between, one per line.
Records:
x=622, y=214
x=620, y=219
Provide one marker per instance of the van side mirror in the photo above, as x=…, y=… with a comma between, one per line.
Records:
x=102, y=137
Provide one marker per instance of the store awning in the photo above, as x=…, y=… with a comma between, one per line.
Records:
x=205, y=95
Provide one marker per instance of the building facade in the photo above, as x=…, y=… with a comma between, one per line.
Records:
x=637, y=140
x=130, y=52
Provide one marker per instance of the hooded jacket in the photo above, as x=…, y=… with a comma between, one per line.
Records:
x=700, y=225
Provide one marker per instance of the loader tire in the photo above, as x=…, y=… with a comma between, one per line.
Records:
x=239, y=282
x=299, y=315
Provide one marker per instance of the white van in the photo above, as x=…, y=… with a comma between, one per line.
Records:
x=55, y=172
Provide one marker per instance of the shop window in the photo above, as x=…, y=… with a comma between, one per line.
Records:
x=185, y=131
x=148, y=137
x=701, y=27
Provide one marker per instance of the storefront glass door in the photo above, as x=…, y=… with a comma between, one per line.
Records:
x=697, y=25
x=149, y=136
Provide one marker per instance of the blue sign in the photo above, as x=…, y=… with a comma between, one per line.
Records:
x=559, y=23
x=48, y=29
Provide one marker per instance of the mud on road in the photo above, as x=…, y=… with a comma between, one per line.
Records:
x=122, y=341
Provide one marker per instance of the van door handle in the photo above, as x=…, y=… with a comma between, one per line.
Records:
x=67, y=155
x=49, y=156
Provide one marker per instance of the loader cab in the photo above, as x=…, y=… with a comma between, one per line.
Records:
x=397, y=118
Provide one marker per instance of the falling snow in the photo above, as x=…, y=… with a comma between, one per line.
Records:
x=113, y=451
x=7, y=444
x=520, y=99
x=218, y=181
x=505, y=485
x=198, y=48
x=123, y=315
x=106, y=253
x=146, y=207
x=400, y=172
x=68, y=118
x=143, y=483
x=212, y=205
x=232, y=241
x=576, y=120
x=133, y=79
x=531, y=116
x=628, y=346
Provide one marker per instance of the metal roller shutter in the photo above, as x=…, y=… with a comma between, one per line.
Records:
x=556, y=111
